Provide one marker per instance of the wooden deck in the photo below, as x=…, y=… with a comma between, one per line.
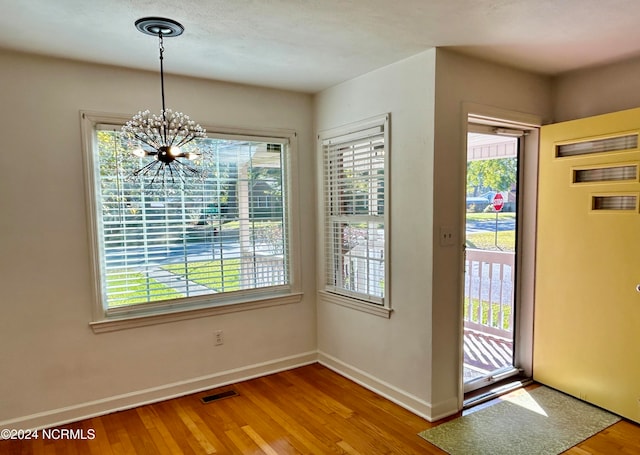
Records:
x=484, y=353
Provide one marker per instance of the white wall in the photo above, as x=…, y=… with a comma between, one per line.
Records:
x=597, y=90
x=391, y=355
x=468, y=85
x=415, y=356
x=50, y=358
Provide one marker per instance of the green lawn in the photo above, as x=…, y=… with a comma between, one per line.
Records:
x=491, y=216
x=506, y=240
x=126, y=287
x=222, y=276
x=495, y=309
x=487, y=241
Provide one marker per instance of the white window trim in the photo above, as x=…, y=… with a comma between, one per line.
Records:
x=193, y=307
x=326, y=295
x=355, y=304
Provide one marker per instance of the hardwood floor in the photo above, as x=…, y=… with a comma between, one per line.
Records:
x=309, y=410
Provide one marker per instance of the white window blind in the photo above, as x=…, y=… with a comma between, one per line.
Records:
x=610, y=144
x=615, y=202
x=355, y=175
x=223, y=233
x=606, y=174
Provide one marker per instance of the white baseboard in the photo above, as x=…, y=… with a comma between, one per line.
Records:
x=116, y=403
x=444, y=409
x=400, y=397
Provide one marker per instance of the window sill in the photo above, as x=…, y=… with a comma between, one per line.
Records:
x=355, y=304
x=113, y=323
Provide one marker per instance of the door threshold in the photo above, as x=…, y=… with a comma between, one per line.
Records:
x=492, y=391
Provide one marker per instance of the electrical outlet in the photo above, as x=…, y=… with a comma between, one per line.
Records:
x=218, y=337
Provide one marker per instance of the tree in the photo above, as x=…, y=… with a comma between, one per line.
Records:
x=497, y=174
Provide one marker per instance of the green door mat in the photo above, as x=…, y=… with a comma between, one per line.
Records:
x=540, y=422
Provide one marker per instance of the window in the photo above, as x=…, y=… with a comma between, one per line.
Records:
x=355, y=204
x=216, y=239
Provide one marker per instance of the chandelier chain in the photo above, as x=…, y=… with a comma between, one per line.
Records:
x=164, y=115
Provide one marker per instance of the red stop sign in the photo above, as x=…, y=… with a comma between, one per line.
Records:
x=498, y=202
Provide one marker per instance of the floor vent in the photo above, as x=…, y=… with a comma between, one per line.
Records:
x=219, y=396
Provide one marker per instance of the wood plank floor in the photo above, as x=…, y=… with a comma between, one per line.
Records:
x=308, y=410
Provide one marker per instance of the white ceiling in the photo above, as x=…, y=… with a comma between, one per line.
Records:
x=309, y=45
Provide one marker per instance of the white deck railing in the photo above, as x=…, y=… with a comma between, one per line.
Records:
x=262, y=270
x=489, y=286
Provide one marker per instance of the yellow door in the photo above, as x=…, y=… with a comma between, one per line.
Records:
x=587, y=301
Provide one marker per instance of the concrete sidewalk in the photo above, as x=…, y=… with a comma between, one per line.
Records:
x=177, y=282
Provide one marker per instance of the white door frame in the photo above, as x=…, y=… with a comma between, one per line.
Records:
x=527, y=202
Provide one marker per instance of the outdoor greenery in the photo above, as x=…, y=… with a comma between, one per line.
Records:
x=487, y=241
x=502, y=216
x=269, y=233
x=130, y=287
x=220, y=275
x=495, y=316
x=497, y=174
x=506, y=240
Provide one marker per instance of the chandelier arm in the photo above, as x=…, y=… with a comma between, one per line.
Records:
x=193, y=170
x=174, y=138
x=164, y=171
x=147, y=140
x=181, y=174
x=160, y=167
x=171, y=171
x=188, y=167
x=145, y=169
x=185, y=140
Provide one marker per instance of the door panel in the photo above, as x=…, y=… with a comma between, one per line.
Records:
x=587, y=306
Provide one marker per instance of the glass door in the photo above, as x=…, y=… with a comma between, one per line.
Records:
x=490, y=254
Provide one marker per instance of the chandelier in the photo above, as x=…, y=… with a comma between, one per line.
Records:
x=163, y=136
